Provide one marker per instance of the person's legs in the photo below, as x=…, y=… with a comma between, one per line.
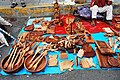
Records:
x=94, y=10
x=13, y=3
x=109, y=15
x=23, y=3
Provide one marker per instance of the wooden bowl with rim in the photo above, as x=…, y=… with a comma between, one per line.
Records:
x=15, y=68
x=41, y=66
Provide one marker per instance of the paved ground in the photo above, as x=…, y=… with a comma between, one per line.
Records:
x=18, y=23
x=29, y=2
x=33, y=2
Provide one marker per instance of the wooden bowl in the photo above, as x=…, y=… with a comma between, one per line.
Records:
x=40, y=67
x=15, y=68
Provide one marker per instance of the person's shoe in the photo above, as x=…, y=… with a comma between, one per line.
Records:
x=109, y=22
x=14, y=4
x=23, y=4
x=93, y=23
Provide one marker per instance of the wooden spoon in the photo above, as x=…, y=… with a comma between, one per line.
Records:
x=31, y=65
x=10, y=65
x=21, y=56
x=16, y=58
x=7, y=62
x=37, y=50
x=38, y=61
x=23, y=52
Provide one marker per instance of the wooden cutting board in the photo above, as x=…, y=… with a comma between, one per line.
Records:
x=103, y=60
x=104, y=47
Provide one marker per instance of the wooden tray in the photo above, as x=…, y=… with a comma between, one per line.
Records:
x=103, y=60
x=104, y=47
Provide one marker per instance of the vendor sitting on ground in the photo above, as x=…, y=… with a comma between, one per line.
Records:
x=101, y=6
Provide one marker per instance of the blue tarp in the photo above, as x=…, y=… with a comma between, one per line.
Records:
x=56, y=70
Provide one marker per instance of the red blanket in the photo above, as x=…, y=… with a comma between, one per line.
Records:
x=85, y=23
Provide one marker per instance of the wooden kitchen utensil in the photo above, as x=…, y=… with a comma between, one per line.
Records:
x=38, y=59
x=40, y=67
x=37, y=51
x=36, y=65
x=16, y=58
x=10, y=64
x=7, y=62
